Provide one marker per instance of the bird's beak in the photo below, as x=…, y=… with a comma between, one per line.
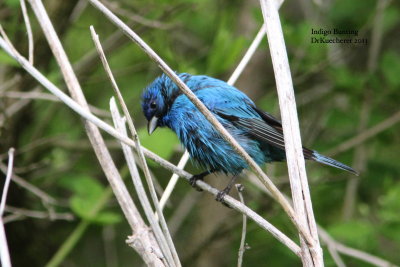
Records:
x=152, y=124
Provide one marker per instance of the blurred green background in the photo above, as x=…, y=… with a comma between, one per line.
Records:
x=343, y=92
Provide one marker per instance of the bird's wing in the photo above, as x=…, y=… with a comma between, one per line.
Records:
x=265, y=128
x=260, y=125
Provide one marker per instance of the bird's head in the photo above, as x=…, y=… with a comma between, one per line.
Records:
x=157, y=99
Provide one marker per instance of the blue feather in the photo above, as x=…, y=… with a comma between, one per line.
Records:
x=258, y=132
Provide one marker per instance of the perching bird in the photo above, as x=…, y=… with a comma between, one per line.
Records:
x=258, y=132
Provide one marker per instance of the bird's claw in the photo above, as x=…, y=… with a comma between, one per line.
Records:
x=193, y=181
x=220, y=197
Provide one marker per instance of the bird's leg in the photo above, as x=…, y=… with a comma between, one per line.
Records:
x=197, y=177
x=226, y=190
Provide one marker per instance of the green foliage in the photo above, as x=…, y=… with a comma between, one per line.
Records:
x=86, y=195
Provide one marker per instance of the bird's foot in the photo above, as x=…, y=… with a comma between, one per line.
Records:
x=194, y=179
x=220, y=196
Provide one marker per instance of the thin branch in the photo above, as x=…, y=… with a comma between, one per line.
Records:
x=30, y=95
x=114, y=6
x=162, y=162
x=243, y=246
x=4, y=252
x=336, y=257
x=78, y=10
x=8, y=42
x=40, y=214
x=29, y=30
x=312, y=252
x=142, y=196
x=208, y=115
x=46, y=198
x=12, y=218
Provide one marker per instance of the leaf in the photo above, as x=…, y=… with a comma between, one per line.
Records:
x=87, y=193
x=107, y=217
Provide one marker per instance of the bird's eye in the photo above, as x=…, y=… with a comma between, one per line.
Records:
x=153, y=105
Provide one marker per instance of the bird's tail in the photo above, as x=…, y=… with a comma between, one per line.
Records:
x=331, y=162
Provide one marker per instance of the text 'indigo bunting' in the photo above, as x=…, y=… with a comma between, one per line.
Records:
x=258, y=132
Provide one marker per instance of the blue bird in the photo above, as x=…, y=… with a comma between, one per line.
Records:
x=257, y=131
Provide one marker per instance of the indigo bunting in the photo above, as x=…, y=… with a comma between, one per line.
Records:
x=257, y=131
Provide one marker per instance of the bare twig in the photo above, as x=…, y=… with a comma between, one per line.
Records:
x=29, y=95
x=4, y=253
x=208, y=115
x=40, y=214
x=114, y=6
x=243, y=246
x=37, y=95
x=312, y=252
x=28, y=29
x=12, y=218
x=335, y=256
x=78, y=10
x=107, y=128
x=46, y=198
x=142, y=196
